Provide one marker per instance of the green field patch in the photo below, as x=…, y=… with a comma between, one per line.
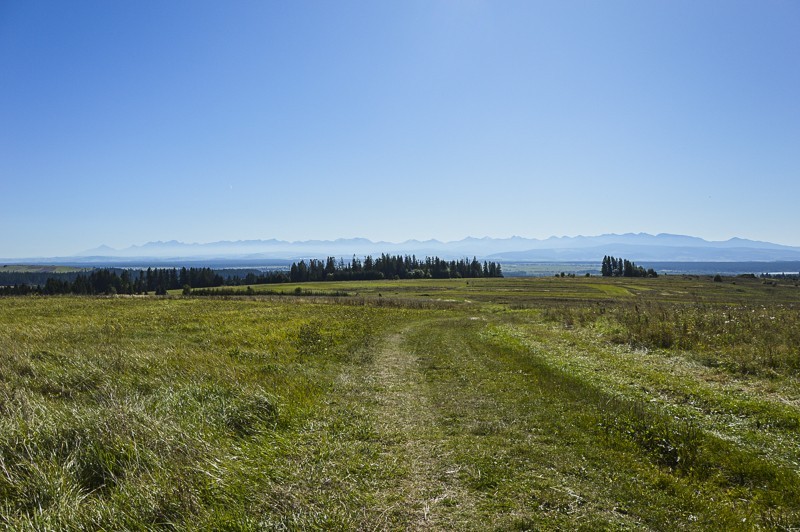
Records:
x=33, y=268
x=613, y=290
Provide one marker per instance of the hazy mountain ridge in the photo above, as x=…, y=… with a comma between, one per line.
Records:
x=636, y=246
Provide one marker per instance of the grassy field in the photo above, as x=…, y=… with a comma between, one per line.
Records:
x=494, y=404
x=25, y=268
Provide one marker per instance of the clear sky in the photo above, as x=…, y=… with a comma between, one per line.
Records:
x=126, y=122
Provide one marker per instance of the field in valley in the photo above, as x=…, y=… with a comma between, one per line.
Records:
x=480, y=404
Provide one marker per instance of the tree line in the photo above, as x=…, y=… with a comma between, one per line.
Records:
x=619, y=267
x=9, y=278
x=110, y=281
x=391, y=267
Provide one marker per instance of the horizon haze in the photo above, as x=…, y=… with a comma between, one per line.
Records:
x=639, y=246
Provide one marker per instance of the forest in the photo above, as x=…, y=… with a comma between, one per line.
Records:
x=111, y=281
x=391, y=267
x=619, y=267
x=119, y=281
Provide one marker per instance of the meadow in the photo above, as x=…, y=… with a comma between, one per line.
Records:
x=480, y=404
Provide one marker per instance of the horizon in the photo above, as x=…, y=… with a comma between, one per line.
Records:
x=86, y=253
x=433, y=239
x=200, y=122
x=125, y=246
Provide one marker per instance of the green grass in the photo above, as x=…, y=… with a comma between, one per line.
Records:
x=30, y=268
x=505, y=404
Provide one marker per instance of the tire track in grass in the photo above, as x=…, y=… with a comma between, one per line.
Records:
x=428, y=494
x=441, y=405
x=487, y=437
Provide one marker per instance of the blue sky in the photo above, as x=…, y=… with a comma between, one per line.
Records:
x=127, y=122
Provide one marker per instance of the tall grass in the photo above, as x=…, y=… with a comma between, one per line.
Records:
x=681, y=446
x=743, y=338
x=128, y=414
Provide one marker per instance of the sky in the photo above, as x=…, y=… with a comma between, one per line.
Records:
x=128, y=122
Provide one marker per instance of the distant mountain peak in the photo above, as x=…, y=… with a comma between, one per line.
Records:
x=635, y=246
x=100, y=250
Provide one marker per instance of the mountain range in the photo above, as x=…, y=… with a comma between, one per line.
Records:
x=640, y=247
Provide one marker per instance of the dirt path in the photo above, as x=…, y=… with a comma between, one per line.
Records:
x=427, y=495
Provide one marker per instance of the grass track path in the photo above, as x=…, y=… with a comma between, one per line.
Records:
x=457, y=433
x=489, y=439
x=428, y=495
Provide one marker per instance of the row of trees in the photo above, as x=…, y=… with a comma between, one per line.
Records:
x=10, y=278
x=391, y=267
x=619, y=267
x=782, y=275
x=159, y=280
x=109, y=281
